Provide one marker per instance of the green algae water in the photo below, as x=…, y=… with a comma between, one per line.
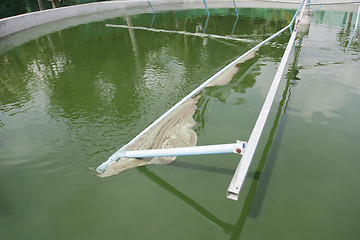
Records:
x=70, y=99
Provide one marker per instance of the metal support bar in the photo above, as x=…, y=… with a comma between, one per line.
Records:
x=207, y=10
x=237, y=147
x=206, y=22
x=317, y=9
x=237, y=15
x=331, y=3
x=152, y=20
x=237, y=18
x=244, y=164
x=296, y=13
x=151, y=7
x=353, y=33
x=232, y=32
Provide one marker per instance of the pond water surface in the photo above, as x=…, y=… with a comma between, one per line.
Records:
x=71, y=98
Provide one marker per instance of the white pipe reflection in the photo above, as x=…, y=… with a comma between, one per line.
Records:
x=182, y=32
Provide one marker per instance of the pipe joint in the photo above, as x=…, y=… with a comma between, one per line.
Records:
x=240, y=147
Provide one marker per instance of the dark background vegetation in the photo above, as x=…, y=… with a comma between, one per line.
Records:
x=10, y=8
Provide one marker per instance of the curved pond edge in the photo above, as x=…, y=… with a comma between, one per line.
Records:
x=22, y=22
x=17, y=30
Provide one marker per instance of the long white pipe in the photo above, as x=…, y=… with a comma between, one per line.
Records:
x=244, y=164
x=237, y=147
x=332, y=3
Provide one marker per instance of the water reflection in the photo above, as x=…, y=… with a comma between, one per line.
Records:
x=243, y=78
x=72, y=97
x=159, y=181
x=345, y=35
x=273, y=143
x=204, y=168
x=335, y=67
x=256, y=194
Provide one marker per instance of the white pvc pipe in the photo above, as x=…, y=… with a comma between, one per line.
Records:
x=244, y=164
x=238, y=147
x=332, y=3
x=186, y=151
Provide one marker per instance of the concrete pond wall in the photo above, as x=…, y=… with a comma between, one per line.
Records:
x=60, y=18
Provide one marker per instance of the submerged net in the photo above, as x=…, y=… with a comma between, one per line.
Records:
x=172, y=132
